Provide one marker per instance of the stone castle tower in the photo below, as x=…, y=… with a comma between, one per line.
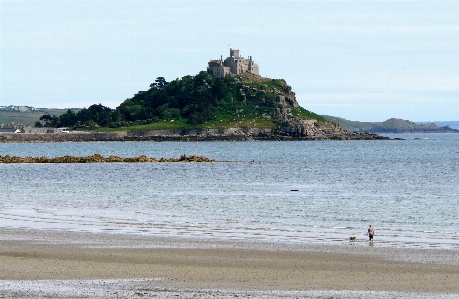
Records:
x=232, y=65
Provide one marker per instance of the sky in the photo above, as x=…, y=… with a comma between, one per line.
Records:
x=359, y=60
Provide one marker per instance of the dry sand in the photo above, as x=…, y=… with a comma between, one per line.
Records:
x=36, y=263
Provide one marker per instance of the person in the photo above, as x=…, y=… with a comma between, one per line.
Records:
x=371, y=232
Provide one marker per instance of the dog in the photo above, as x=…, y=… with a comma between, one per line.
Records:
x=352, y=239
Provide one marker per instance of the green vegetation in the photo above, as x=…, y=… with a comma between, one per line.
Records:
x=356, y=126
x=192, y=102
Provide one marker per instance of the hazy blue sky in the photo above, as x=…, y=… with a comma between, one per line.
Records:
x=361, y=60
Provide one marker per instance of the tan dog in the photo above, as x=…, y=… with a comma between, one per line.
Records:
x=352, y=239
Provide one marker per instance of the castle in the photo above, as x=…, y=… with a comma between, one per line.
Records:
x=232, y=65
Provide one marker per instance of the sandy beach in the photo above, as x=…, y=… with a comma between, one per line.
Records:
x=70, y=265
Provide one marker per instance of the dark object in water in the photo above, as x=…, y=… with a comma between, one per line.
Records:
x=294, y=190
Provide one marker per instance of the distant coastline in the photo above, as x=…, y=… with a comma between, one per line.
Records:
x=395, y=126
x=20, y=117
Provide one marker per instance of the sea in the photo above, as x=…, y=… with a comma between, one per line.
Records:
x=307, y=192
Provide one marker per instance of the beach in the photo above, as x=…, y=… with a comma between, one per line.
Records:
x=74, y=264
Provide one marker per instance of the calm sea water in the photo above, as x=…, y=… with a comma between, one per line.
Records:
x=408, y=190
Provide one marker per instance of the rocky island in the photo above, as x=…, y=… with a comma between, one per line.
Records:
x=228, y=102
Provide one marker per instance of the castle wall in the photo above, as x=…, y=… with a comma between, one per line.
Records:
x=219, y=71
x=253, y=68
x=232, y=65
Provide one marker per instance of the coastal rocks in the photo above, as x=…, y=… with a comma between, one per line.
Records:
x=295, y=129
x=101, y=159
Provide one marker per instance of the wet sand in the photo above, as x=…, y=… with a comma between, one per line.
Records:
x=66, y=263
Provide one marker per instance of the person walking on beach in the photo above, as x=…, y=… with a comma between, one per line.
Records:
x=371, y=232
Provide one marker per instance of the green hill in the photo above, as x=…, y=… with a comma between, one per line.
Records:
x=28, y=117
x=243, y=107
x=198, y=102
x=392, y=125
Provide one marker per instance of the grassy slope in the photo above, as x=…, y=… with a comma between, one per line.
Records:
x=349, y=124
x=28, y=117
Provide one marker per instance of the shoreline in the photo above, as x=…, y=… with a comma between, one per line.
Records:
x=185, y=135
x=159, y=265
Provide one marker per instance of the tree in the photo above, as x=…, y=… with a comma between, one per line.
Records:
x=96, y=114
x=38, y=124
x=159, y=83
x=68, y=119
x=50, y=121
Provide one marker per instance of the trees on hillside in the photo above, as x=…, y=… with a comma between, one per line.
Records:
x=94, y=115
x=193, y=98
x=50, y=121
x=159, y=83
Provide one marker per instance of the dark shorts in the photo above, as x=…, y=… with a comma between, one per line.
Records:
x=371, y=236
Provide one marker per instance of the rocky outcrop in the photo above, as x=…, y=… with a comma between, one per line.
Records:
x=283, y=105
x=100, y=159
